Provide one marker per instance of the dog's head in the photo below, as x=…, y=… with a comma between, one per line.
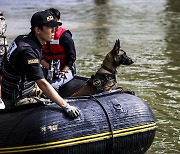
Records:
x=118, y=56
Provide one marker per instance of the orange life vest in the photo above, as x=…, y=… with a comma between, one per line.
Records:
x=54, y=50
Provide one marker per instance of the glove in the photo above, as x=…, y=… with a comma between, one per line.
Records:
x=72, y=111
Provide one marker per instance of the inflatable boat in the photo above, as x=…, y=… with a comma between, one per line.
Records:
x=109, y=123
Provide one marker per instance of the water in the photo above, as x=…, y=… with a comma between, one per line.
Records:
x=148, y=31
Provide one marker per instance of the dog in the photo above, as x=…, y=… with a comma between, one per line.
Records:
x=105, y=77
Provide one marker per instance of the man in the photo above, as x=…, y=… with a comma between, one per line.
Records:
x=21, y=68
x=59, y=55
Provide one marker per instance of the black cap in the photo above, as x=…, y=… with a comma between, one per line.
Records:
x=43, y=18
x=56, y=14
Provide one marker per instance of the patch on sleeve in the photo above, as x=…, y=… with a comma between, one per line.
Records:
x=33, y=61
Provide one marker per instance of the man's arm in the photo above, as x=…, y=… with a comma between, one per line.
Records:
x=51, y=93
x=30, y=64
x=67, y=42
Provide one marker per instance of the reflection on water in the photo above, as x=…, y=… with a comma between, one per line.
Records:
x=149, y=33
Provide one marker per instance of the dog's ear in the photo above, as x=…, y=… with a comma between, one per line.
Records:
x=116, y=47
x=119, y=43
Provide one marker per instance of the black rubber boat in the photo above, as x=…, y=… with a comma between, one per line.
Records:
x=110, y=123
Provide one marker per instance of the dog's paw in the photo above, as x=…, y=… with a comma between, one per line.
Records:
x=126, y=90
x=130, y=92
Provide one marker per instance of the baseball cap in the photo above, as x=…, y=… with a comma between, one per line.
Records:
x=56, y=14
x=43, y=18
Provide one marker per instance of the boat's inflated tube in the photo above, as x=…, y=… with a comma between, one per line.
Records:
x=110, y=123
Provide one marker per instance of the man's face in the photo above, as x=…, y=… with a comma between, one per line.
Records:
x=46, y=34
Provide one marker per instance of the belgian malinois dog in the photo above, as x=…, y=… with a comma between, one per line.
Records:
x=105, y=77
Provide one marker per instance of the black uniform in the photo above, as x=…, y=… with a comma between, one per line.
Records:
x=21, y=67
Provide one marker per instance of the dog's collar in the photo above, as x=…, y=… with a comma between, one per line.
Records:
x=108, y=69
x=99, y=80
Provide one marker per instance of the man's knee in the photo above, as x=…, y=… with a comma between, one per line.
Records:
x=9, y=104
x=32, y=100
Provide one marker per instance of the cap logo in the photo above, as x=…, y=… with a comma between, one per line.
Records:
x=49, y=18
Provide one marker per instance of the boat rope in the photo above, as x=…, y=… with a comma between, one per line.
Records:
x=109, y=123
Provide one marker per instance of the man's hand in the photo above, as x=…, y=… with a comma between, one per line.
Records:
x=72, y=111
x=65, y=70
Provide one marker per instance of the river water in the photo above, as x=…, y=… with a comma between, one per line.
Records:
x=149, y=33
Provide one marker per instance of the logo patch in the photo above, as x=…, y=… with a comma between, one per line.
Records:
x=33, y=61
x=96, y=82
x=49, y=18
